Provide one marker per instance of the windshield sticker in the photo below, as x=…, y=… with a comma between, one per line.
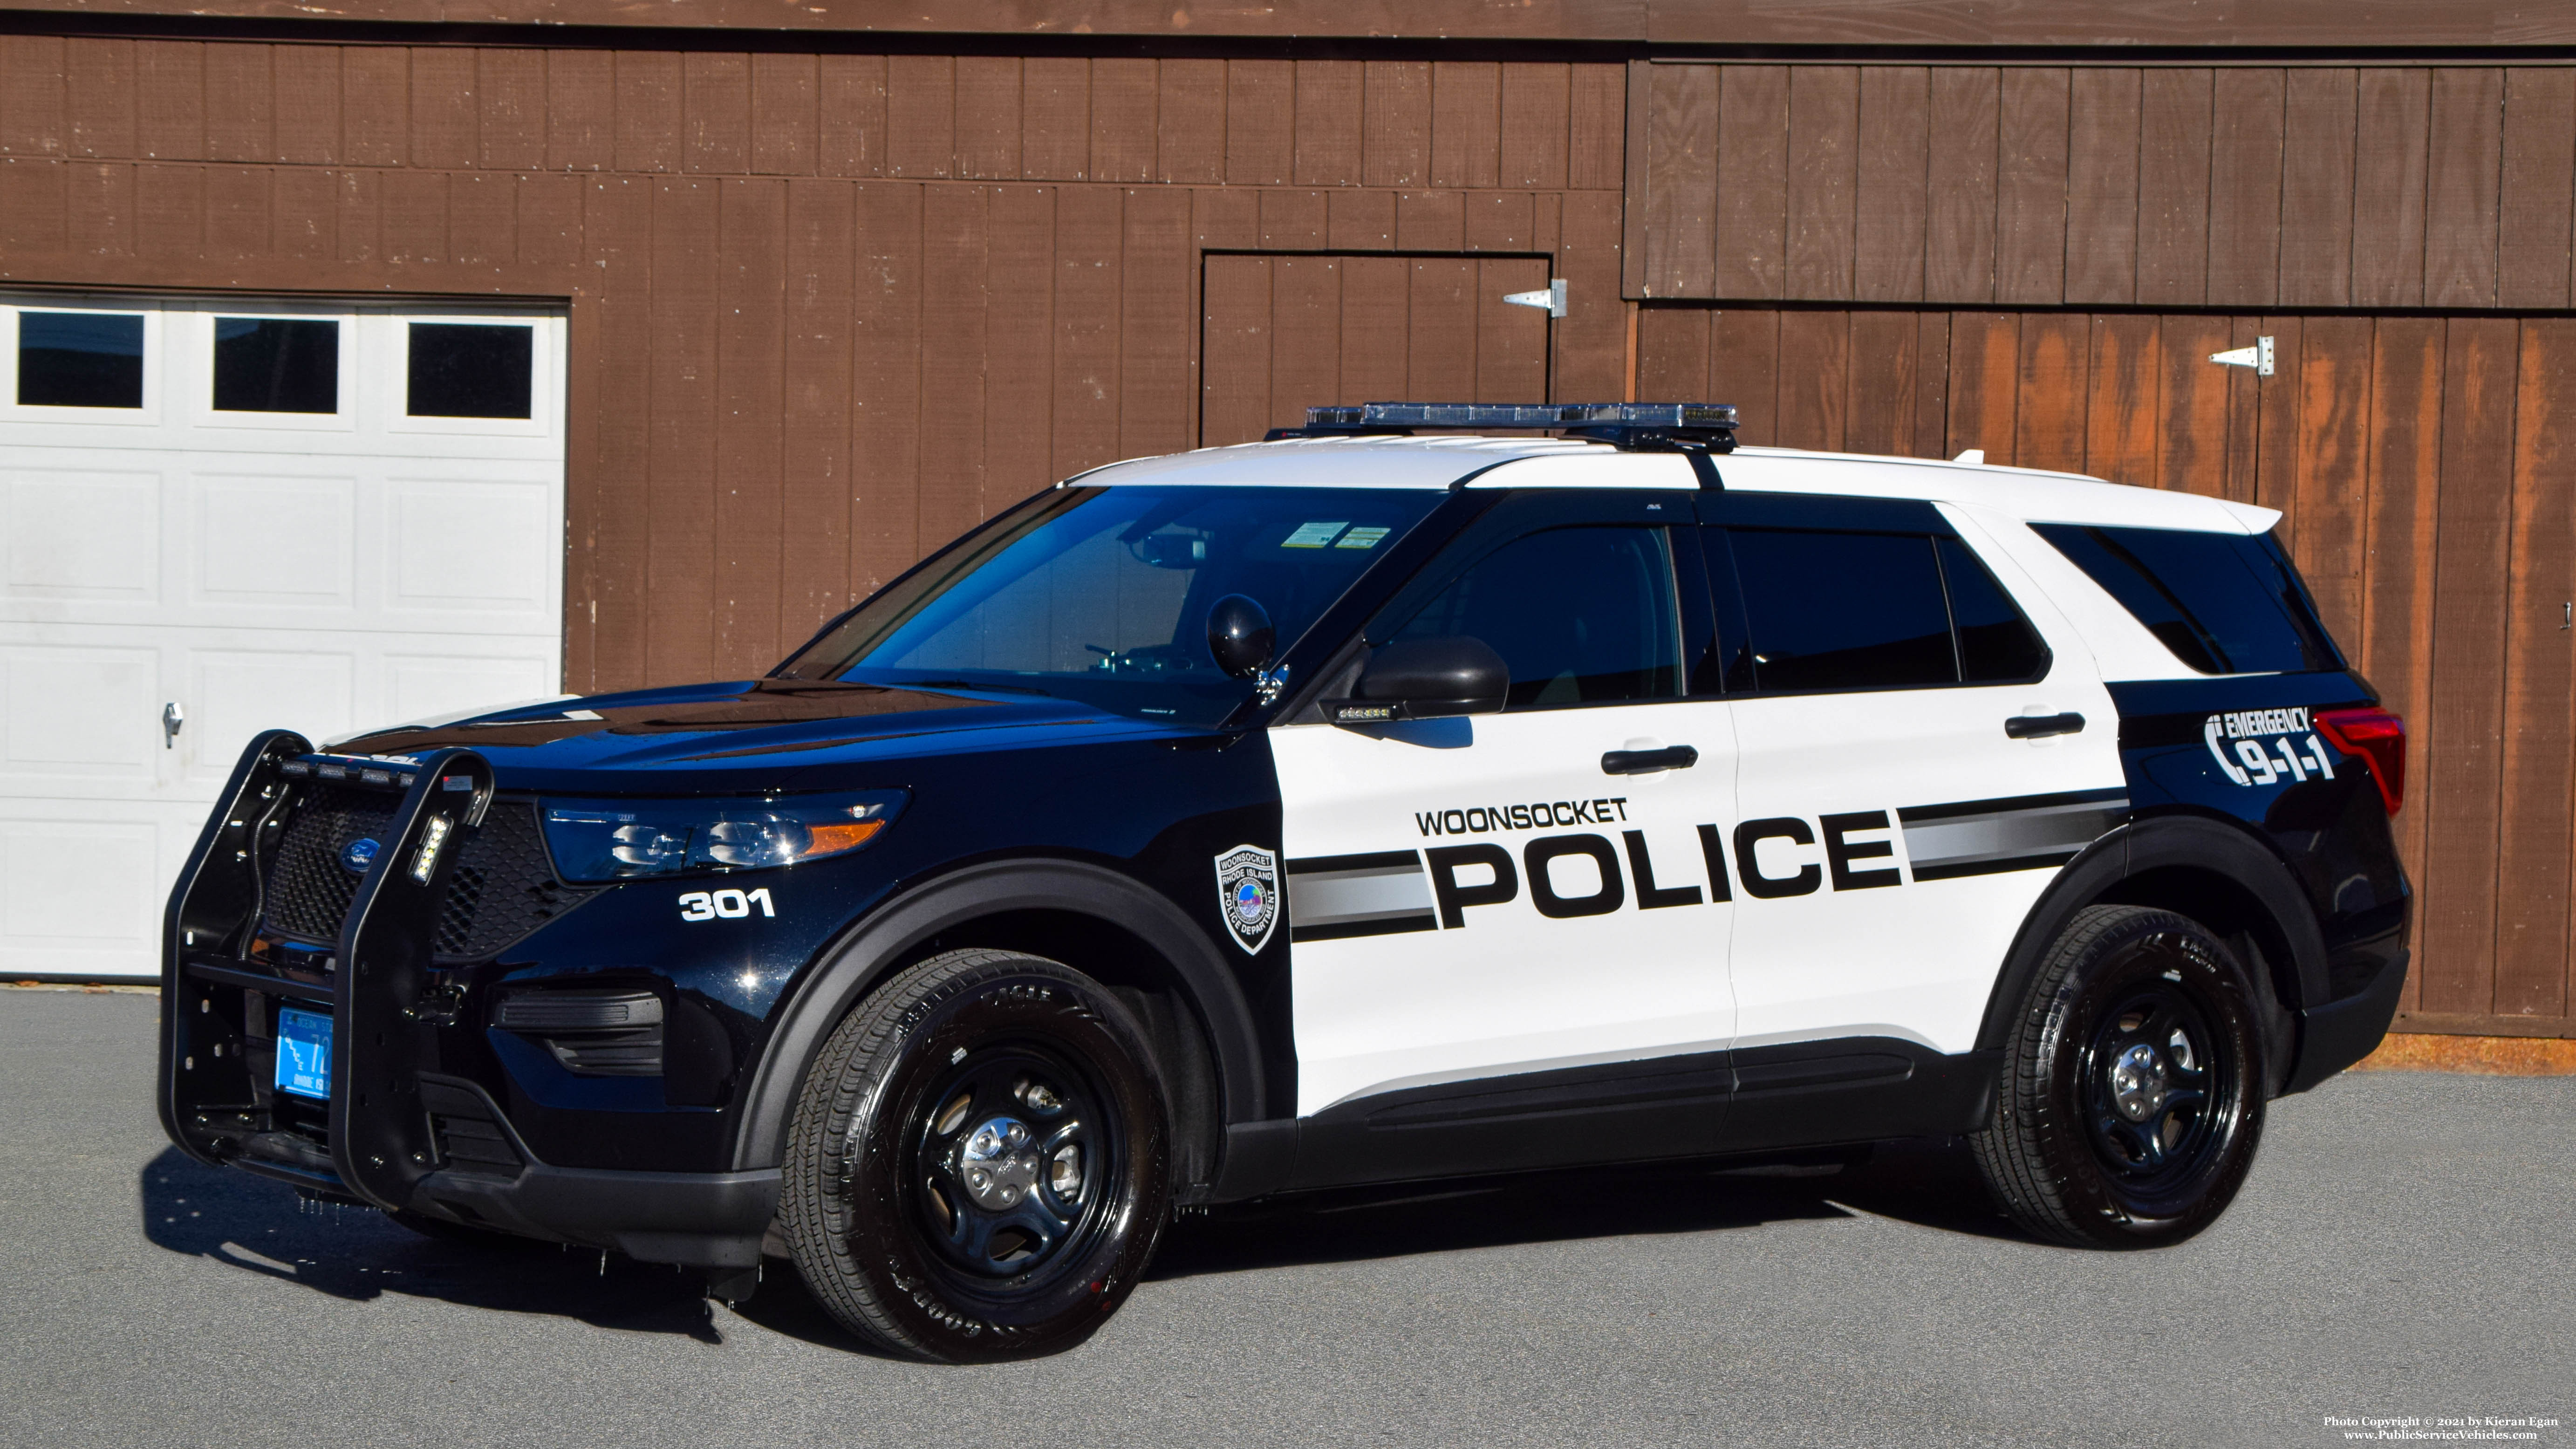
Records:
x=1363, y=537
x=1313, y=535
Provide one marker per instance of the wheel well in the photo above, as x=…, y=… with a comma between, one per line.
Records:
x=2237, y=916
x=1151, y=986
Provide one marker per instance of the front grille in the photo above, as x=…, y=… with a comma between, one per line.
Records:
x=502, y=888
x=309, y=890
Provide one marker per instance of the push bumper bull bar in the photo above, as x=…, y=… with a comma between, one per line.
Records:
x=381, y=1146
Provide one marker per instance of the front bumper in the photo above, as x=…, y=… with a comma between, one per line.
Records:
x=702, y=1220
x=399, y=1129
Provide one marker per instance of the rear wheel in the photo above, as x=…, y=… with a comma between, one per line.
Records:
x=978, y=1168
x=2131, y=1101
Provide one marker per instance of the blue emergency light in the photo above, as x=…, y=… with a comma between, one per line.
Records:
x=1637, y=426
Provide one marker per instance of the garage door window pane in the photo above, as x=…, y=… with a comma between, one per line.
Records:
x=470, y=370
x=1843, y=610
x=264, y=365
x=80, y=360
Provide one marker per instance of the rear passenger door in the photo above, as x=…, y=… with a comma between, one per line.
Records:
x=1917, y=753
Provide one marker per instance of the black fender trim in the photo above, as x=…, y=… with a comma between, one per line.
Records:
x=886, y=934
x=2152, y=843
x=2339, y=1033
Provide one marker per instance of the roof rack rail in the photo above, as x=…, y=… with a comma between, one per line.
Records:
x=1637, y=427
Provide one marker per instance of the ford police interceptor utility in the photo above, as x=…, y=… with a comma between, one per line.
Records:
x=1352, y=807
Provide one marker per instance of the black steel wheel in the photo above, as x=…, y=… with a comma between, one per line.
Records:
x=2131, y=1102
x=1002, y=1152
x=978, y=1168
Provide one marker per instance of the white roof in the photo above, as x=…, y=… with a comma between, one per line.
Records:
x=2028, y=494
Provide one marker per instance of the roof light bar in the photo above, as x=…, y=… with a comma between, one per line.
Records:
x=1641, y=426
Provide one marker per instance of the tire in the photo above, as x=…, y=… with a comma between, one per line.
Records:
x=979, y=1166
x=2131, y=1100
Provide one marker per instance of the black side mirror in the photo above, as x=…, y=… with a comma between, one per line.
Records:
x=1240, y=636
x=1426, y=679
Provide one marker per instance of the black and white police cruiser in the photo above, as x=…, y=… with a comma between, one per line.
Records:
x=1371, y=804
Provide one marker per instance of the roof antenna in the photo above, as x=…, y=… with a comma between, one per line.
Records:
x=1974, y=458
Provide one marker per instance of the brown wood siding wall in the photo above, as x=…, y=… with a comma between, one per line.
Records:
x=826, y=310
x=2229, y=187
x=2421, y=465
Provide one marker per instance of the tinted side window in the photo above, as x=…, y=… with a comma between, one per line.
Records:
x=2223, y=603
x=1842, y=610
x=1996, y=644
x=1582, y=615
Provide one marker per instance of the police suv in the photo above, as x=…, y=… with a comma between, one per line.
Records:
x=1366, y=805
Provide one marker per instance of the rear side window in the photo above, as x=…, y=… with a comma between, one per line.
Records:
x=1996, y=644
x=1839, y=611
x=2222, y=602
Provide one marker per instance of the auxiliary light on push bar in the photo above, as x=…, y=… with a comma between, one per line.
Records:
x=1626, y=425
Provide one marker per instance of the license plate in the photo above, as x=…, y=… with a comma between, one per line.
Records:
x=303, y=1053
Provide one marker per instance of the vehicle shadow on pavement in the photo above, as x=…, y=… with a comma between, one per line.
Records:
x=1931, y=1184
x=262, y=1227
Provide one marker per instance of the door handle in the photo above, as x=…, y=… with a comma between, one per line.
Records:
x=1646, y=762
x=172, y=717
x=2041, y=726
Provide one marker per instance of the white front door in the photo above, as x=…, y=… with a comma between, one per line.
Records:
x=1481, y=896
x=218, y=518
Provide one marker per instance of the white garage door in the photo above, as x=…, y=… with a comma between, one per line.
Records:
x=222, y=517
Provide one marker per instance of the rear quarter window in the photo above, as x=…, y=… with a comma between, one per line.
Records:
x=2223, y=603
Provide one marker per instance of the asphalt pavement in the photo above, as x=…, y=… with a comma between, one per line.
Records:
x=2405, y=1248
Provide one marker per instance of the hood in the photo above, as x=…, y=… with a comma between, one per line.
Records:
x=747, y=736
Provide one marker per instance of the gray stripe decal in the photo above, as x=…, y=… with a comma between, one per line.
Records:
x=2020, y=836
x=1394, y=892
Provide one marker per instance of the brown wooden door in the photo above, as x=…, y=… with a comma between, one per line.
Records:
x=2424, y=467
x=1284, y=333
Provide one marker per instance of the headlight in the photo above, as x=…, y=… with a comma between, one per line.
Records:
x=597, y=840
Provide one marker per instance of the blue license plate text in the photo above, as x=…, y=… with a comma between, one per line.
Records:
x=303, y=1053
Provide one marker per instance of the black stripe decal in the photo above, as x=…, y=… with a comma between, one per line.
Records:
x=1381, y=860
x=1991, y=867
x=1918, y=814
x=1382, y=926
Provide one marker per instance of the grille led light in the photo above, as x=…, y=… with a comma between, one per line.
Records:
x=432, y=837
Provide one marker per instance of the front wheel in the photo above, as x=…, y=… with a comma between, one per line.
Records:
x=979, y=1164
x=2131, y=1100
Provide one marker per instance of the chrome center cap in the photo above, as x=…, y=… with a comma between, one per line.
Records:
x=2138, y=1082
x=998, y=1164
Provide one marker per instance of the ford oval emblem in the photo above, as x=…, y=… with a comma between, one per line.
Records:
x=358, y=854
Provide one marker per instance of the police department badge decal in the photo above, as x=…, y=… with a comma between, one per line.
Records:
x=1247, y=891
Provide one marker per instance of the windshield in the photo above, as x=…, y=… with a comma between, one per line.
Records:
x=1102, y=594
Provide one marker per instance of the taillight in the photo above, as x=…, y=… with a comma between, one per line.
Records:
x=2376, y=736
